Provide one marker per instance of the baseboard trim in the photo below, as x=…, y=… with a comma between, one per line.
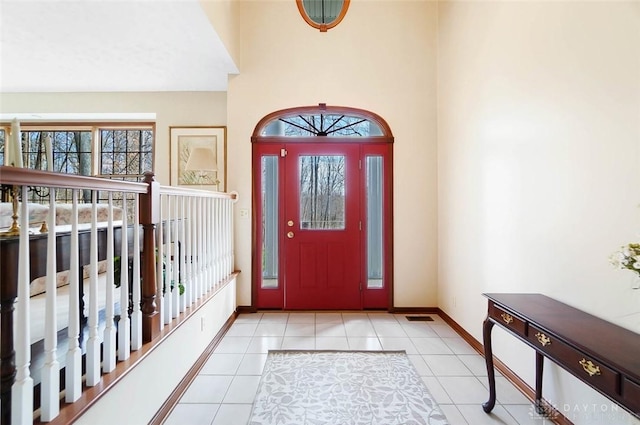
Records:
x=414, y=310
x=246, y=309
x=175, y=396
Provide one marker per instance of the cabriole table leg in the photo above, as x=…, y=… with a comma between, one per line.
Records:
x=488, y=356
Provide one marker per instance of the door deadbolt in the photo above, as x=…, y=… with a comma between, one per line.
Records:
x=290, y=235
x=290, y=223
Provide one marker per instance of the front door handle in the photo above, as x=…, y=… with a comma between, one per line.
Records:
x=290, y=235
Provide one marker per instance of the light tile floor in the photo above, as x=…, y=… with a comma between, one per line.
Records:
x=224, y=390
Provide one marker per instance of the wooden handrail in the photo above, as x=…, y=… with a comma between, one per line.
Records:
x=27, y=177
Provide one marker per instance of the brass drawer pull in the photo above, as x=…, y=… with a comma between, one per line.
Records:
x=507, y=318
x=543, y=339
x=589, y=367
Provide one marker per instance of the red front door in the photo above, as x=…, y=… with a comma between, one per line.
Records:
x=322, y=226
x=322, y=205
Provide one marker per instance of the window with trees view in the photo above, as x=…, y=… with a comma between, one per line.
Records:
x=2, y=138
x=123, y=152
x=322, y=192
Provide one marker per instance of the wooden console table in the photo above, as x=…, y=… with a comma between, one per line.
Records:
x=599, y=353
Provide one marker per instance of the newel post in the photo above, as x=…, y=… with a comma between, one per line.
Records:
x=149, y=217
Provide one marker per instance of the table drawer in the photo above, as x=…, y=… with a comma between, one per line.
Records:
x=584, y=367
x=631, y=394
x=507, y=319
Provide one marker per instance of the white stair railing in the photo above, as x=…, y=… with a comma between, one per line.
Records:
x=194, y=242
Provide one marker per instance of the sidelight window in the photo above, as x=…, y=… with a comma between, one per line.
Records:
x=374, y=200
x=269, y=195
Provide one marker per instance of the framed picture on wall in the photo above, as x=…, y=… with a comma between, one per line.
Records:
x=199, y=157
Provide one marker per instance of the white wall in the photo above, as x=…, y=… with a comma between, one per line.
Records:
x=143, y=391
x=539, y=165
x=171, y=109
x=380, y=58
x=223, y=15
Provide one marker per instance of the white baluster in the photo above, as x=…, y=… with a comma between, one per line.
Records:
x=200, y=226
x=109, y=338
x=175, y=261
x=193, y=217
x=215, y=241
x=213, y=236
x=22, y=388
x=159, y=263
x=168, y=266
x=50, y=387
x=207, y=242
x=182, y=280
x=205, y=246
x=188, y=281
x=210, y=238
x=73, y=367
x=223, y=238
x=136, y=315
x=225, y=234
x=230, y=264
x=124, y=333
x=93, y=343
x=227, y=229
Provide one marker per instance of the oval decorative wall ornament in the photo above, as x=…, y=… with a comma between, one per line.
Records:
x=323, y=14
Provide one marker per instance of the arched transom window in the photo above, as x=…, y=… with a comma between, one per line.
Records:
x=322, y=121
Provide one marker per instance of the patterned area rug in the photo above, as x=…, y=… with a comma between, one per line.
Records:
x=343, y=388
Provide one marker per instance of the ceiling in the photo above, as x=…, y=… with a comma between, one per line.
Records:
x=110, y=45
